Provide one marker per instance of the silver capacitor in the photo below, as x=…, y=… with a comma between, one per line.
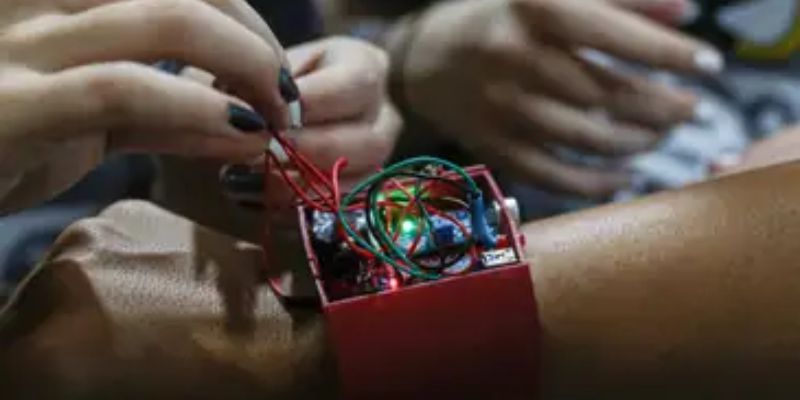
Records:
x=511, y=205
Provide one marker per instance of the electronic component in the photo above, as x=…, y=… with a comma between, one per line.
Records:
x=415, y=272
x=494, y=258
x=445, y=231
x=417, y=221
x=420, y=220
x=417, y=304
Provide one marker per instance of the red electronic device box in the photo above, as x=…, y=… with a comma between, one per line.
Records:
x=469, y=336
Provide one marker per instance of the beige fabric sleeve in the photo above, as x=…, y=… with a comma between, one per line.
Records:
x=160, y=307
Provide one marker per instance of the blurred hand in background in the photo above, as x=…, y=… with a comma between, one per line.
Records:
x=511, y=82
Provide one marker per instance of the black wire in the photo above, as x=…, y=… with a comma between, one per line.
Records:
x=368, y=206
x=432, y=233
x=468, y=242
x=445, y=262
x=464, y=249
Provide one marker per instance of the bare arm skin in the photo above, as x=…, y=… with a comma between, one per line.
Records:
x=691, y=294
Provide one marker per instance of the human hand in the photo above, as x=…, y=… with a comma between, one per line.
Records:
x=346, y=114
x=72, y=91
x=513, y=83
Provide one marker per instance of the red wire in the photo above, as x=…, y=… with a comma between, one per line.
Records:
x=400, y=186
x=295, y=188
x=301, y=161
x=340, y=164
x=305, y=167
x=337, y=168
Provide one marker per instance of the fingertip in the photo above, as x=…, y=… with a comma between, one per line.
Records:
x=708, y=60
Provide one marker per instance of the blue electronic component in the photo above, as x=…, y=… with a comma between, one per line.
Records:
x=446, y=232
x=480, y=223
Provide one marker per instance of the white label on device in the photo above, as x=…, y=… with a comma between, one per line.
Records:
x=494, y=258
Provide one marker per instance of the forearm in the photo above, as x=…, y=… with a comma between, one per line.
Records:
x=690, y=294
x=687, y=292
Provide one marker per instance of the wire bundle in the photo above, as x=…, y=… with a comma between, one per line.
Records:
x=381, y=241
x=411, y=187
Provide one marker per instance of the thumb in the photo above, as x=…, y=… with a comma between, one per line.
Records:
x=669, y=12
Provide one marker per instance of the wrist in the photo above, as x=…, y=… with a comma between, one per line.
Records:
x=423, y=50
x=398, y=42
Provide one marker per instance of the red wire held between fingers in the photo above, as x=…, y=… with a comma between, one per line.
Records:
x=340, y=164
x=293, y=185
x=304, y=174
x=301, y=161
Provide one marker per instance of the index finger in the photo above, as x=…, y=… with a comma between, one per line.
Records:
x=239, y=10
x=619, y=32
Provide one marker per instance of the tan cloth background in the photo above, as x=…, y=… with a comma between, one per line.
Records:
x=128, y=304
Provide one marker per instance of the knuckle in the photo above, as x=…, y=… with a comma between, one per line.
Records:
x=374, y=65
x=108, y=90
x=172, y=20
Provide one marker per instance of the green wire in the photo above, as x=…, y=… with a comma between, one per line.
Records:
x=387, y=241
x=383, y=175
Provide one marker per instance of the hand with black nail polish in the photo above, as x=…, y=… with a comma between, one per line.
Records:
x=346, y=112
x=76, y=98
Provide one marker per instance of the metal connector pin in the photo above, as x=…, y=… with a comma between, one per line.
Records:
x=295, y=115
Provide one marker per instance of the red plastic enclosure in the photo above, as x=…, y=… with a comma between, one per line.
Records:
x=464, y=337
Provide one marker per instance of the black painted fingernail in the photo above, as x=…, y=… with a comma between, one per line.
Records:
x=288, y=86
x=242, y=179
x=244, y=119
x=170, y=66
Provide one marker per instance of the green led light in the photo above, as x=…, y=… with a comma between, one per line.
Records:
x=408, y=226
